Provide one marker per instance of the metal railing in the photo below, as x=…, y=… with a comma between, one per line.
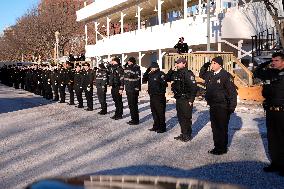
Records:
x=196, y=60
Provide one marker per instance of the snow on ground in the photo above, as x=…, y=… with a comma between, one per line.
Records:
x=40, y=139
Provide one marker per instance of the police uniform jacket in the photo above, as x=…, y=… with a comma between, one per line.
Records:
x=102, y=77
x=184, y=84
x=54, y=76
x=88, y=79
x=132, y=78
x=69, y=76
x=62, y=79
x=273, y=85
x=116, y=78
x=78, y=79
x=157, y=83
x=220, y=88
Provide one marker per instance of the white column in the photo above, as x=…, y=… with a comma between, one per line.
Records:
x=199, y=7
x=219, y=46
x=123, y=58
x=121, y=21
x=86, y=29
x=184, y=9
x=108, y=21
x=218, y=6
x=140, y=58
x=139, y=17
x=160, y=60
x=240, y=45
x=160, y=2
x=96, y=30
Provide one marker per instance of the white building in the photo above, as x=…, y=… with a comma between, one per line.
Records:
x=160, y=23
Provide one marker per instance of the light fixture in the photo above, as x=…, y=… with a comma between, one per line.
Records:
x=155, y=8
x=103, y=26
x=136, y=15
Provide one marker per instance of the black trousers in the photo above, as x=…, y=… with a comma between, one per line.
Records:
x=184, y=114
x=132, y=98
x=62, y=88
x=55, y=91
x=158, y=109
x=48, y=92
x=220, y=117
x=89, y=97
x=275, y=136
x=70, y=88
x=79, y=96
x=101, y=92
x=117, y=98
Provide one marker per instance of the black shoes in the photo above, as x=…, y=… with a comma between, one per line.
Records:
x=132, y=123
x=61, y=102
x=182, y=138
x=116, y=117
x=216, y=151
x=89, y=109
x=102, y=112
x=71, y=103
x=79, y=106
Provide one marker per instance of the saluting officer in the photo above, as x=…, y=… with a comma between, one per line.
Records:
x=101, y=85
x=87, y=85
x=156, y=88
x=184, y=88
x=116, y=81
x=78, y=78
x=272, y=73
x=132, y=83
x=221, y=96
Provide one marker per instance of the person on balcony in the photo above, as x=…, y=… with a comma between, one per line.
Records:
x=184, y=88
x=116, y=81
x=157, y=85
x=272, y=73
x=181, y=47
x=132, y=83
x=221, y=96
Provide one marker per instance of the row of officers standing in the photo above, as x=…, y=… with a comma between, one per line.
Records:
x=221, y=94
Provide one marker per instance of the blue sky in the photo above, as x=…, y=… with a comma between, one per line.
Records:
x=13, y=9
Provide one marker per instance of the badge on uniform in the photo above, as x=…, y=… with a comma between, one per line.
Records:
x=192, y=78
x=219, y=81
x=281, y=73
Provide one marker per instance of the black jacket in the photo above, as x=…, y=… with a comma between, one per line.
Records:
x=101, y=77
x=273, y=84
x=184, y=84
x=220, y=88
x=116, y=78
x=132, y=78
x=78, y=80
x=157, y=83
x=88, y=79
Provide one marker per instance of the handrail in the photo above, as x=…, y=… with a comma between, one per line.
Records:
x=197, y=59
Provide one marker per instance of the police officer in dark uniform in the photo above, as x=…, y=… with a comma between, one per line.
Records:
x=70, y=82
x=101, y=85
x=116, y=81
x=156, y=88
x=132, y=83
x=87, y=85
x=181, y=47
x=184, y=88
x=62, y=81
x=78, y=78
x=272, y=74
x=54, y=79
x=221, y=96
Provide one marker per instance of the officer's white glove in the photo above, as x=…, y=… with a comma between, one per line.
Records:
x=88, y=89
